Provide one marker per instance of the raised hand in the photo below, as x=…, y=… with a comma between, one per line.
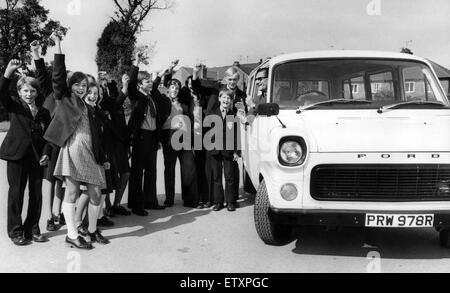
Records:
x=196, y=70
x=125, y=80
x=35, y=47
x=12, y=67
x=55, y=36
x=174, y=64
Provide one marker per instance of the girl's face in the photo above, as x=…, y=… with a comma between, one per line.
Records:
x=225, y=101
x=92, y=96
x=79, y=89
x=174, y=90
x=28, y=94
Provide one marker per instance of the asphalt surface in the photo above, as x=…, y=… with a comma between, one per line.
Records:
x=183, y=240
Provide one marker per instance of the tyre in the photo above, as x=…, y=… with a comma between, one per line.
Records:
x=444, y=238
x=248, y=185
x=269, y=232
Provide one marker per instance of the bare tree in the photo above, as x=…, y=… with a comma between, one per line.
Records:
x=133, y=12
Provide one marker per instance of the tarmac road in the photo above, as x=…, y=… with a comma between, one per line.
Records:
x=186, y=240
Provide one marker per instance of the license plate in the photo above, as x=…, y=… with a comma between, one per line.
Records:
x=399, y=221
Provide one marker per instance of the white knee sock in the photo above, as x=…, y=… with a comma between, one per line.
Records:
x=93, y=212
x=69, y=214
x=102, y=206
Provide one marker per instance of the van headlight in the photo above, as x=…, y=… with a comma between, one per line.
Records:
x=292, y=151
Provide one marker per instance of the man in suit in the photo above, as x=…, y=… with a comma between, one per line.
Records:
x=26, y=152
x=143, y=131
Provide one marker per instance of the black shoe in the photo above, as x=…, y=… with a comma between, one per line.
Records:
x=208, y=205
x=105, y=222
x=230, y=207
x=200, y=206
x=236, y=205
x=78, y=243
x=82, y=230
x=218, y=207
x=39, y=238
x=168, y=204
x=154, y=207
x=110, y=213
x=98, y=237
x=20, y=241
x=61, y=220
x=52, y=226
x=120, y=210
x=140, y=212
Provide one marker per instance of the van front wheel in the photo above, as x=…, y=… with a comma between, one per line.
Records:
x=269, y=232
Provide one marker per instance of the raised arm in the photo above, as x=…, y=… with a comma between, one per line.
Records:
x=59, y=76
x=133, y=80
x=5, y=97
x=42, y=75
x=123, y=93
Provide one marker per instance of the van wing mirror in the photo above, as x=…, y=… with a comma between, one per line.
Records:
x=268, y=109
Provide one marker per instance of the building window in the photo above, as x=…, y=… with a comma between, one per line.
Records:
x=354, y=88
x=410, y=87
x=376, y=87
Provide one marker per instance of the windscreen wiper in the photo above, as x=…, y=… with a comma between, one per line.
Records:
x=400, y=105
x=331, y=102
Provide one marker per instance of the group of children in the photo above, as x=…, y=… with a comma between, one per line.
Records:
x=71, y=131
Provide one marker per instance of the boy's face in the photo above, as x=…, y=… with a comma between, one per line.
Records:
x=28, y=94
x=92, y=96
x=79, y=89
x=226, y=101
x=232, y=81
x=146, y=85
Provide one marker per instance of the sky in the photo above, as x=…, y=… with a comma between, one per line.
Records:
x=219, y=32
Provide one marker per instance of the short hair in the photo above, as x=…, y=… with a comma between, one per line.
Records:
x=232, y=71
x=174, y=81
x=227, y=92
x=143, y=75
x=27, y=80
x=91, y=78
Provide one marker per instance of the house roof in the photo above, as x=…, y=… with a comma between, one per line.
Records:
x=441, y=71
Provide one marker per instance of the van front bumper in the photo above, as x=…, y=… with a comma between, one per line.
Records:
x=350, y=218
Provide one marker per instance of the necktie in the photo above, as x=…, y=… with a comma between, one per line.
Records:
x=152, y=108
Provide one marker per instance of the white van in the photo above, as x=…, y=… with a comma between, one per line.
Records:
x=348, y=138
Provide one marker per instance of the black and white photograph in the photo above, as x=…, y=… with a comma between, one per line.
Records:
x=226, y=137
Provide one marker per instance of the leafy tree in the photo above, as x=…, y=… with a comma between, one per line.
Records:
x=21, y=22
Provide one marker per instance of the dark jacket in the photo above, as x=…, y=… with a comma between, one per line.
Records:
x=113, y=106
x=69, y=112
x=140, y=109
x=240, y=97
x=25, y=131
x=222, y=148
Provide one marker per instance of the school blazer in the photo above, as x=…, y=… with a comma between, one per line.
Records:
x=25, y=131
x=69, y=112
x=236, y=134
x=140, y=110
